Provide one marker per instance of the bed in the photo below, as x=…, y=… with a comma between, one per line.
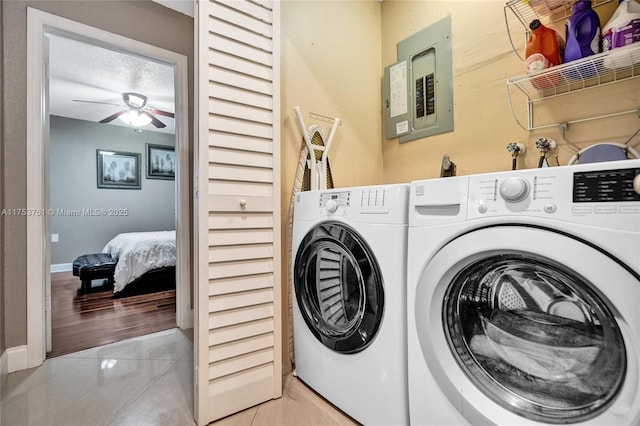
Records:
x=140, y=253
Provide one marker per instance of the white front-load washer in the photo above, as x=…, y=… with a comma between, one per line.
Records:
x=524, y=297
x=349, y=310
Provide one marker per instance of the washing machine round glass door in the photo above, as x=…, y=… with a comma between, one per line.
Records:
x=338, y=287
x=533, y=332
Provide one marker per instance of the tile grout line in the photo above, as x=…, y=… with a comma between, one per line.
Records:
x=253, y=419
x=120, y=412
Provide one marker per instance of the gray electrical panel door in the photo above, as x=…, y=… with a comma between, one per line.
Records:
x=427, y=85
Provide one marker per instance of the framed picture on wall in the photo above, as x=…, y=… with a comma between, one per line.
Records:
x=161, y=162
x=118, y=170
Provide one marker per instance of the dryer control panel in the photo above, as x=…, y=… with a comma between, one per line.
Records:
x=377, y=204
x=341, y=199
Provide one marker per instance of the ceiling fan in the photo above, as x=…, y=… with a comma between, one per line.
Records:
x=137, y=112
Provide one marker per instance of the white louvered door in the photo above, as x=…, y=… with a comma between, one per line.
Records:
x=238, y=355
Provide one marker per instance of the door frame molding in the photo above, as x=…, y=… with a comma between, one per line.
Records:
x=38, y=245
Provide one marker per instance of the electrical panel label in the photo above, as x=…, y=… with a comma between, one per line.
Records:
x=402, y=127
x=398, y=89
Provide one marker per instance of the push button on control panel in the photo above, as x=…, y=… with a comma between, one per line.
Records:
x=550, y=208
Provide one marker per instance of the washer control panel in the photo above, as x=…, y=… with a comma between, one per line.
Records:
x=601, y=186
x=590, y=193
x=332, y=200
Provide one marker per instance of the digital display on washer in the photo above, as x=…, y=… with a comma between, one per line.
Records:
x=600, y=186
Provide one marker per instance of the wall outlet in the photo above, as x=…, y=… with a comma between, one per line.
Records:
x=54, y=238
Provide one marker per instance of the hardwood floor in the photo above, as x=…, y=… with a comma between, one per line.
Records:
x=85, y=321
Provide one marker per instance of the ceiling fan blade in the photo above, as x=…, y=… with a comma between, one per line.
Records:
x=95, y=102
x=112, y=117
x=159, y=124
x=161, y=112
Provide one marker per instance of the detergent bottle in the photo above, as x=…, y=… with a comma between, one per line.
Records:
x=582, y=31
x=545, y=41
x=624, y=26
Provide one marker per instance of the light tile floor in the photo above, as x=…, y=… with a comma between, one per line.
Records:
x=142, y=381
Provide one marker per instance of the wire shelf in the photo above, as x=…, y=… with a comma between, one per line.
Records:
x=547, y=11
x=603, y=68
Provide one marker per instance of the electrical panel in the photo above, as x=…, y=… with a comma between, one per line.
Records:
x=419, y=87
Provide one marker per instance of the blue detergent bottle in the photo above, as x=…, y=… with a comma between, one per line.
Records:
x=582, y=31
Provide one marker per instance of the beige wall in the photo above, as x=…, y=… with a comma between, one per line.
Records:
x=483, y=125
x=333, y=54
x=331, y=66
x=140, y=20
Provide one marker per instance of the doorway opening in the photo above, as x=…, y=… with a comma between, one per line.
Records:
x=44, y=115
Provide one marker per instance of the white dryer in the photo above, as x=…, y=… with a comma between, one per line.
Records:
x=349, y=308
x=524, y=297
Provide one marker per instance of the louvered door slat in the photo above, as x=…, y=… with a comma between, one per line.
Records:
x=241, y=188
x=240, y=50
x=241, y=35
x=240, y=363
x=241, y=127
x=242, y=158
x=240, y=300
x=241, y=221
x=225, y=108
x=240, y=19
x=243, y=252
x=238, y=284
x=240, y=268
x=240, y=96
x=239, y=356
x=245, y=82
x=237, y=317
x=250, y=8
x=242, y=346
x=235, y=332
x=240, y=142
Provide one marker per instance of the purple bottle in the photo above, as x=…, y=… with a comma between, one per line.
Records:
x=583, y=32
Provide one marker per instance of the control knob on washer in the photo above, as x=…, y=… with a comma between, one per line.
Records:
x=331, y=206
x=636, y=184
x=514, y=189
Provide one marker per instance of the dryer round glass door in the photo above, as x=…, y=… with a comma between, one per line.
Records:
x=545, y=338
x=338, y=287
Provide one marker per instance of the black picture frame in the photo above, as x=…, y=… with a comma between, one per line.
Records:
x=118, y=169
x=161, y=162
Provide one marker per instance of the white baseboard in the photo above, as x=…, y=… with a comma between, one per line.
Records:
x=17, y=358
x=4, y=367
x=190, y=319
x=13, y=359
x=62, y=267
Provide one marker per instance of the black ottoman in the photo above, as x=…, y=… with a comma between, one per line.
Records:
x=93, y=267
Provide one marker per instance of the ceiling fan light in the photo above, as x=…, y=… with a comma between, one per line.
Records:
x=135, y=118
x=134, y=99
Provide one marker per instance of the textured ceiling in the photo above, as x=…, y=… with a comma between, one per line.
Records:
x=79, y=70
